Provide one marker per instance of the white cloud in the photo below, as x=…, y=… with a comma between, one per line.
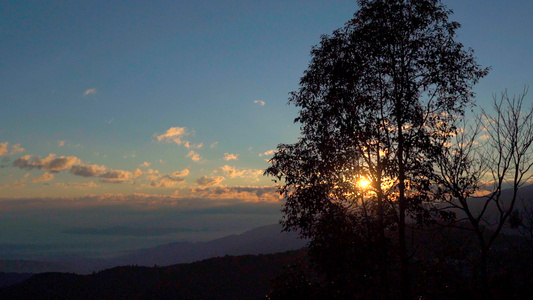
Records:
x=89, y=92
x=209, y=181
x=229, y=156
x=260, y=102
x=194, y=156
x=45, y=177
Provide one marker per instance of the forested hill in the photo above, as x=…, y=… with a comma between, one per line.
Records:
x=229, y=277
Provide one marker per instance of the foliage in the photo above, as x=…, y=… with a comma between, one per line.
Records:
x=380, y=95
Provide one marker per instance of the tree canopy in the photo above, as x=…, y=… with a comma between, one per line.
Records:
x=379, y=98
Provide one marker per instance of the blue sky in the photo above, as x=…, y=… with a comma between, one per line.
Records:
x=148, y=105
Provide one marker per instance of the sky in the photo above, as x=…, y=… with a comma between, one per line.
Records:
x=163, y=114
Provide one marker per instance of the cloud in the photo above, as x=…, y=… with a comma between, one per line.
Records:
x=194, y=156
x=209, y=181
x=168, y=180
x=484, y=137
x=61, y=143
x=213, y=145
x=232, y=172
x=87, y=170
x=152, y=174
x=242, y=193
x=76, y=185
x=51, y=163
x=175, y=135
x=188, y=145
x=18, y=185
x=145, y=164
x=16, y=149
x=119, y=176
x=182, y=173
x=4, y=149
x=260, y=102
x=269, y=152
x=89, y=92
x=229, y=156
x=45, y=177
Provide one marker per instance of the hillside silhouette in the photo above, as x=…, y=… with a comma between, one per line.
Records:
x=228, y=277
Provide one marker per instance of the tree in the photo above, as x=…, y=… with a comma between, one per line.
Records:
x=481, y=172
x=379, y=96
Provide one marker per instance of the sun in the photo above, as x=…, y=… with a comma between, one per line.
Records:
x=364, y=183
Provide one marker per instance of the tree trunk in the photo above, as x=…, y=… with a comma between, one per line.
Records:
x=405, y=285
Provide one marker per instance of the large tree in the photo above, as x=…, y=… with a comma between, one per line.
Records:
x=378, y=97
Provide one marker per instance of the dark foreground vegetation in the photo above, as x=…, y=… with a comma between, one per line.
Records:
x=229, y=277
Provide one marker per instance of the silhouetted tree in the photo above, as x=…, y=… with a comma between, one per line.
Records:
x=379, y=95
x=482, y=162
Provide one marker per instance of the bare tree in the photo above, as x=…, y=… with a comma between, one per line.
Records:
x=481, y=173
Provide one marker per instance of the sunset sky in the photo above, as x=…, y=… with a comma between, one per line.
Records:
x=163, y=114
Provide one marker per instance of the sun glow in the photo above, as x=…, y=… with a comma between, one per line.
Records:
x=364, y=183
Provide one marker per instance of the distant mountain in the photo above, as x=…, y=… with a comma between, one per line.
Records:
x=262, y=240
x=228, y=277
x=524, y=200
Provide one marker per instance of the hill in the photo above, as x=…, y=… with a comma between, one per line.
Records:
x=228, y=277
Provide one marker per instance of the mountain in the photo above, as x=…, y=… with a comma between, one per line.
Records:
x=261, y=240
x=228, y=277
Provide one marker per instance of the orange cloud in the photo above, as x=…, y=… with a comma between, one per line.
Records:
x=209, y=181
x=229, y=156
x=269, y=152
x=194, y=156
x=43, y=178
x=51, y=163
x=89, y=92
x=232, y=172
